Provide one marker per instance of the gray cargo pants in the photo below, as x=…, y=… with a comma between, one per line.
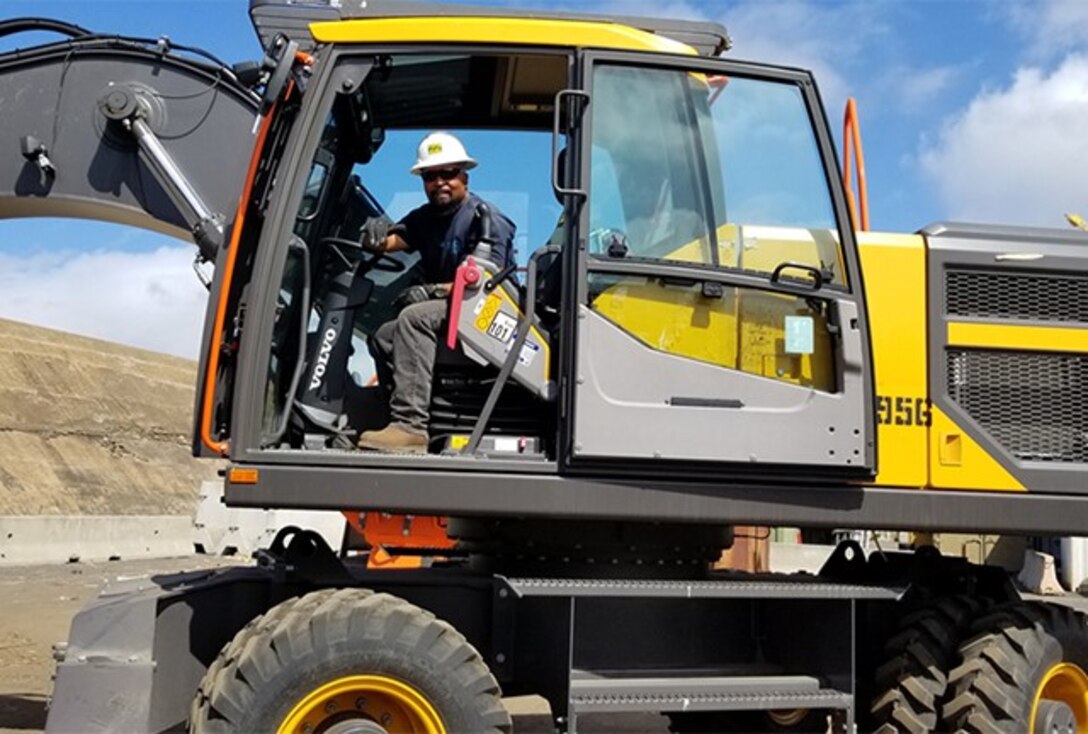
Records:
x=404, y=352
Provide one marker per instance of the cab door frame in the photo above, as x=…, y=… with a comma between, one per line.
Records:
x=580, y=265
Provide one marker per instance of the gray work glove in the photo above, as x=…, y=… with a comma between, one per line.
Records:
x=373, y=233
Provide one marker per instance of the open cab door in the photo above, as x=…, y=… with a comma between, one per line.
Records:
x=721, y=321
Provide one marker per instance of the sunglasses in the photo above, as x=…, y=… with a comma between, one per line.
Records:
x=446, y=174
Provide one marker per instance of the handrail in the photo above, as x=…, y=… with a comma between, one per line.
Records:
x=851, y=141
x=215, y=346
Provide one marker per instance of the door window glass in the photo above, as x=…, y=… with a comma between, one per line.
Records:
x=644, y=169
x=710, y=170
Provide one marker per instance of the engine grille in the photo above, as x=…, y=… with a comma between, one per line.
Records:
x=1034, y=405
x=1025, y=296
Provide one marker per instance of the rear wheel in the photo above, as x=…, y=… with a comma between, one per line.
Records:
x=1023, y=671
x=348, y=660
x=913, y=680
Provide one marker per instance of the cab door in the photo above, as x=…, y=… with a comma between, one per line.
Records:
x=720, y=310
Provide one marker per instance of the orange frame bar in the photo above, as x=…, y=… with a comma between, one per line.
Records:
x=851, y=140
x=214, y=349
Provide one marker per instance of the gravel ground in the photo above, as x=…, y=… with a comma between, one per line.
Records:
x=37, y=604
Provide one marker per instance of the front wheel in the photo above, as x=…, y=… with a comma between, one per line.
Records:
x=348, y=660
x=1023, y=672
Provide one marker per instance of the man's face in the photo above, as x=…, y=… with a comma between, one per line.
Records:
x=445, y=186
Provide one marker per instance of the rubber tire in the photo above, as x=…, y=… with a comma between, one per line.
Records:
x=1005, y=661
x=912, y=683
x=308, y=641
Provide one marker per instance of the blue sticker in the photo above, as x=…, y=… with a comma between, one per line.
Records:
x=800, y=335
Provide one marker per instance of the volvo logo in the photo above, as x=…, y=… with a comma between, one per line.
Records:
x=323, y=358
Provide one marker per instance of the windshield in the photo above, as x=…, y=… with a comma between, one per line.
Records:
x=715, y=171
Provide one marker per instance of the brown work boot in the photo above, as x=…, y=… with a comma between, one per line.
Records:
x=393, y=439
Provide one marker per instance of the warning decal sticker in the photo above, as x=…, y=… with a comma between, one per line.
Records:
x=490, y=307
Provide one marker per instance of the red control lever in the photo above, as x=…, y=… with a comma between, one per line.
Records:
x=467, y=275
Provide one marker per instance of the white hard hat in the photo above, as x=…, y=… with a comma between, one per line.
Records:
x=441, y=149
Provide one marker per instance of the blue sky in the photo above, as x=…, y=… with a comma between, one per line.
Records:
x=971, y=110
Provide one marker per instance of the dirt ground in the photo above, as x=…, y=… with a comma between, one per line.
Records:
x=37, y=604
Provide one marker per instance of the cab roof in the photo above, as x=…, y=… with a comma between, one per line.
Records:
x=311, y=21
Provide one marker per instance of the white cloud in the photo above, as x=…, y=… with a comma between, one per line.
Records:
x=1017, y=155
x=150, y=299
x=1052, y=26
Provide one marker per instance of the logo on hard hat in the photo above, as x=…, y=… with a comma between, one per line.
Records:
x=441, y=149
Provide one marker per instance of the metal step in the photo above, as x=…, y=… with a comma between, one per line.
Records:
x=768, y=586
x=593, y=692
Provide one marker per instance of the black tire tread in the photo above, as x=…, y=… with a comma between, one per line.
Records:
x=327, y=618
x=992, y=688
x=912, y=683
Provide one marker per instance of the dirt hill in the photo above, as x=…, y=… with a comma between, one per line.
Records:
x=88, y=427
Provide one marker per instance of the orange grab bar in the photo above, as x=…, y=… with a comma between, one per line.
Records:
x=214, y=349
x=851, y=141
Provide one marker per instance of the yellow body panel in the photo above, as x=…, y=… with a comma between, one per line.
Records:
x=745, y=329
x=514, y=31
x=673, y=319
x=763, y=248
x=742, y=330
x=919, y=445
x=958, y=462
x=895, y=278
x=762, y=334
x=1015, y=336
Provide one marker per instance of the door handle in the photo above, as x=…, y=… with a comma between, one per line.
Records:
x=816, y=274
x=557, y=118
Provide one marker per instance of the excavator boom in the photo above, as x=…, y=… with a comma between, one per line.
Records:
x=126, y=130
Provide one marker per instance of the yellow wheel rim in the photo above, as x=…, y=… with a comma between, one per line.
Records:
x=787, y=717
x=395, y=706
x=1065, y=682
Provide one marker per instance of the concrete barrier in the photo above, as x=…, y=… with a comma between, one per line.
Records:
x=219, y=529
x=26, y=540
x=213, y=528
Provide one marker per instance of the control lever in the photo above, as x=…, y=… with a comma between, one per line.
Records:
x=500, y=277
x=467, y=276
